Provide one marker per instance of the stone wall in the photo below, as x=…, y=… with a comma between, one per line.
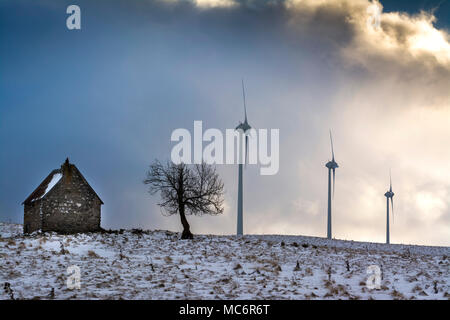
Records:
x=32, y=217
x=71, y=206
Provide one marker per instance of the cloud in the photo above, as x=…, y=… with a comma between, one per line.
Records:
x=355, y=35
x=397, y=37
x=215, y=3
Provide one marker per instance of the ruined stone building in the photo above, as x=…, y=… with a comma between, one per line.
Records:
x=64, y=202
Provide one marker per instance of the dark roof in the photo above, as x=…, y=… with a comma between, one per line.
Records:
x=85, y=181
x=53, y=179
x=42, y=189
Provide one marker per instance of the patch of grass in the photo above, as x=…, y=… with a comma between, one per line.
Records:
x=225, y=280
x=397, y=295
x=138, y=231
x=251, y=257
x=7, y=289
x=309, y=272
x=417, y=288
x=93, y=254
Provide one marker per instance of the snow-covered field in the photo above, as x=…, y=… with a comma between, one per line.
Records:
x=156, y=265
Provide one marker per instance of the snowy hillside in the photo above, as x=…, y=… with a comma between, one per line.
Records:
x=156, y=265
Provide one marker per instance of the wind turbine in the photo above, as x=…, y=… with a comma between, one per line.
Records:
x=243, y=128
x=331, y=165
x=389, y=195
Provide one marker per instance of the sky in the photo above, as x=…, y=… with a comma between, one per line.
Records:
x=108, y=96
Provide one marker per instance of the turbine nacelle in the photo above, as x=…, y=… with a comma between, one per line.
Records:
x=244, y=127
x=389, y=194
x=332, y=164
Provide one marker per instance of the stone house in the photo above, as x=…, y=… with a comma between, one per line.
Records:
x=64, y=202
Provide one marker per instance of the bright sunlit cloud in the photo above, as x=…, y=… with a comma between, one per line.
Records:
x=215, y=3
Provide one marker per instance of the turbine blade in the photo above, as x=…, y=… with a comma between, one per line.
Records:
x=392, y=205
x=390, y=181
x=332, y=149
x=246, y=151
x=334, y=180
x=243, y=95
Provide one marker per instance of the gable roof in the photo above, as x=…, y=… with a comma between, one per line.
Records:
x=45, y=186
x=53, y=179
x=72, y=166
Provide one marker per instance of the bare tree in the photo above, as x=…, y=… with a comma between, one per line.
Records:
x=195, y=189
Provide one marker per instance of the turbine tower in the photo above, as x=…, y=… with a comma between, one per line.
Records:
x=331, y=165
x=389, y=195
x=243, y=128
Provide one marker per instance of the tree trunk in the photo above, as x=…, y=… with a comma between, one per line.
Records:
x=186, y=229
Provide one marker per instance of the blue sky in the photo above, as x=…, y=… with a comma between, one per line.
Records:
x=441, y=9
x=108, y=97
